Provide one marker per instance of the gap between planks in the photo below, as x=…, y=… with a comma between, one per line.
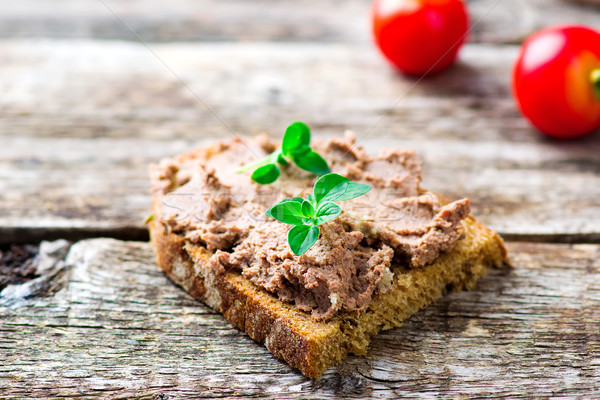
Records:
x=34, y=235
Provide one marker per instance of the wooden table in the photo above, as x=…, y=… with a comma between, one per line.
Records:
x=95, y=90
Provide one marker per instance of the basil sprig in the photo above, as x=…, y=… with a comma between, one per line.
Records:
x=295, y=146
x=307, y=214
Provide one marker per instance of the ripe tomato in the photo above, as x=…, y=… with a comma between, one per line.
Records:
x=556, y=81
x=420, y=36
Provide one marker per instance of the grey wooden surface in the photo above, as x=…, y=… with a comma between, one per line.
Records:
x=77, y=146
x=495, y=21
x=115, y=327
x=95, y=90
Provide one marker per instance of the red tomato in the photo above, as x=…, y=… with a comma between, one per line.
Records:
x=556, y=81
x=420, y=36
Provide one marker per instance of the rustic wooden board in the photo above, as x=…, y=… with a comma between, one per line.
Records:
x=80, y=122
x=495, y=21
x=108, y=324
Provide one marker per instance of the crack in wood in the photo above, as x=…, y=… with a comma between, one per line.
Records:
x=47, y=276
x=16, y=264
x=23, y=235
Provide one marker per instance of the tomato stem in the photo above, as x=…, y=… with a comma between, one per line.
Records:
x=595, y=79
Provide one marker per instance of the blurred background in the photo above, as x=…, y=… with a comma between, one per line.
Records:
x=92, y=91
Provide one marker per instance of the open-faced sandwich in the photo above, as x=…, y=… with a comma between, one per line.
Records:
x=312, y=247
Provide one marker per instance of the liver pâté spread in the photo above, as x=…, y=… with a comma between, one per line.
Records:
x=205, y=200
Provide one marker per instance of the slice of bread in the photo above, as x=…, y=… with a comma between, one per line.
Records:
x=293, y=335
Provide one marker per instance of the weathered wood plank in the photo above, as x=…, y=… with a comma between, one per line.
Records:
x=81, y=121
x=118, y=328
x=495, y=21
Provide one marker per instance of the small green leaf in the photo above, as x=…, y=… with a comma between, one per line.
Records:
x=293, y=199
x=296, y=135
x=329, y=187
x=307, y=209
x=266, y=174
x=354, y=190
x=327, y=212
x=295, y=145
x=302, y=237
x=288, y=212
x=281, y=160
x=301, y=213
x=149, y=219
x=311, y=162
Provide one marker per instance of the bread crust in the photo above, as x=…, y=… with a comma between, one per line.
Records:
x=291, y=334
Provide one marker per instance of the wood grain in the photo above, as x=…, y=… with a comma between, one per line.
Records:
x=494, y=21
x=117, y=328
x=81, y=121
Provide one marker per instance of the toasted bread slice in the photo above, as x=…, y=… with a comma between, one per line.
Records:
x=295, y=337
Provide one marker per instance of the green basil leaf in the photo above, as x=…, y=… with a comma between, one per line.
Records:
x=311, y=162
x=288, y=212
x=307, y=209
x=354, y=190
x=296, y=135
x=329, y=187
x=293, y=199
x=265, y=174
x=302, y=237
x=311, y=198
x=327, y=212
